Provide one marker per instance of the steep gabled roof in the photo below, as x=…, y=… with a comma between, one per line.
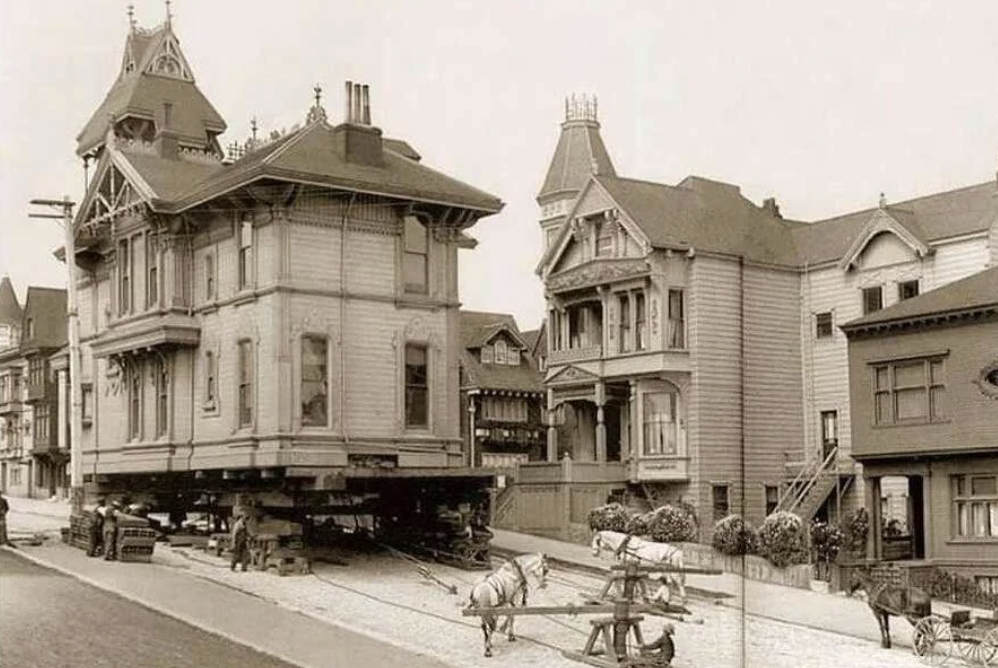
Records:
x=704, y=215
x=477, y=327
x=943, y=215
x=139, y=91
x=10, y=309
x=47, y=307
x=976, y=292
x=312, y=155
x=580, y=153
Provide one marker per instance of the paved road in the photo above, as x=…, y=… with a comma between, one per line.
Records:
x=49, y=620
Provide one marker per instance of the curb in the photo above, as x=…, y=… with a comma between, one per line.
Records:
x=38, y=561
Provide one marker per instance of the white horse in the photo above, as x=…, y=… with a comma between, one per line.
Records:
x=648, y=553
x=507, y=586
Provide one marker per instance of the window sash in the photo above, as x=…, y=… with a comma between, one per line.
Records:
x=873, y=299
x=209, y=276
x=975, y=506
x=661, y=423
x=152, y=272
x=677, y=320
x=135, y=402
x=162, y=399
x=245, y=383
x=823, y=325
x=640, y=335
x=314, y=381
x=624, y=303
x=416, y=386
x=720, y=501
x=909, y=391
x=245, y=254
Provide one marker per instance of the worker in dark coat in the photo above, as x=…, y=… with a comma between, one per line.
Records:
x=111, y=531
x=662, y=650
x=94, y=540
x=240, y=543
x=4, y=508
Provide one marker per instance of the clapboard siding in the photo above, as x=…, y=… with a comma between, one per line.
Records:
x=772, y=367
x=993, y=244
x=315, y=257
x=959, y=260
x=715, y=344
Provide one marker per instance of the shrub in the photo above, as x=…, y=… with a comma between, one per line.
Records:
x=671, y=524
x=855, y=528
x=826, y=542
x=734, y=536
x=637, y=525
x=781, y=539
x=893, y=529
x=611, y=517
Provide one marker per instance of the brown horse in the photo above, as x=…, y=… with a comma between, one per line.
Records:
x=886, y=599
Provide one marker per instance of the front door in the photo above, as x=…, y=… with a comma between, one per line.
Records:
x=916, y=495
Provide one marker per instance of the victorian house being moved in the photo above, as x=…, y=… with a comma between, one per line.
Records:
x=281, y=322
x=693, y=349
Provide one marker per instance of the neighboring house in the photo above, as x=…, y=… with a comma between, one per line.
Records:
x=33, y=451
x=501, y=392
x=692, y=345
x=289, y=314
x=924, y=402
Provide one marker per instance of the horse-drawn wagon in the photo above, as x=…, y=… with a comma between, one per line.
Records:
x=939, y=638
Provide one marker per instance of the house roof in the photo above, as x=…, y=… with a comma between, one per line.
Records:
x=930, y=218
x=978, y=291
x=138, y=92
x=702, y=214
x=10, y=309
x=311, y=154
x=477, y=328
x=47, y=307
x=580, y=153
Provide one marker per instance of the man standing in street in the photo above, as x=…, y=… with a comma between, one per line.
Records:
x=94, y=542
x=4, y=507
x=111, y=531
x=240, y=543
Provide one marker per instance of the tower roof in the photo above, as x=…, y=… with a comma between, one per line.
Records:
x=10, y=309
x=155, y=84
x=580, y=152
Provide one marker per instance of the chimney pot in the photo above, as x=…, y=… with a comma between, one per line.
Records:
x=348, y=97
x=357, y=113
x=367, y=104
x=770, y=206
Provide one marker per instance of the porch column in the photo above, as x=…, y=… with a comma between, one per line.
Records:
x=873, y=507
x=63, y=419
x=600, y=424
x=552, y=429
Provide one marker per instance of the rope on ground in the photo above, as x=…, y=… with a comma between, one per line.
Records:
x=186, y=555
x=422, y=567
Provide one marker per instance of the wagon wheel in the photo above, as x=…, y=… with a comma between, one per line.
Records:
x=982, y=651
x=932, y=640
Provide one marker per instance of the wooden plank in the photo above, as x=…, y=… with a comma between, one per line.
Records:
x=561, y=609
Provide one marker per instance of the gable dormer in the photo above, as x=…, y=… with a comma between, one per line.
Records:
x=502, y=348
x=890, y=237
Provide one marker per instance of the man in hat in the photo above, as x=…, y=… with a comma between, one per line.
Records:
x=240, y=543
x=4, y=508
x=111, y=531
x=94, y=541
x=662, y=650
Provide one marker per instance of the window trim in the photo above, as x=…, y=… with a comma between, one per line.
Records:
x=134, y=378
x=209, y=277
x=825, y=441
x=866, y=292
x=424, y=289
x=932, y=414
x=901, y=285
x=325, y=339
x=153, y=278
x=245, y=377
x=820, y=326
x=162, y=400
x=427, y=388
x=677, y=326
x=714, y=487
x=245, y=255
x=971, y=499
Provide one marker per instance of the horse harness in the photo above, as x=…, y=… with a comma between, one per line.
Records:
x=622, y=548
x=523, y=579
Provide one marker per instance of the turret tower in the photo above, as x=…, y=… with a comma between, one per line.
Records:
x=580, y=153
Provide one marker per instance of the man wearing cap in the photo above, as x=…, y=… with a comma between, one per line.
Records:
x=4, y=507
x=663, y=649
x=111, y=531
x=240, y=543
x=94, y=542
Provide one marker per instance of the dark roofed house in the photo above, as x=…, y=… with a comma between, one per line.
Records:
x=10, y=314
x=923, y=380
x=501, y=392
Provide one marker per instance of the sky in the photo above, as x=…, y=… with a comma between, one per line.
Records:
x=822, y=105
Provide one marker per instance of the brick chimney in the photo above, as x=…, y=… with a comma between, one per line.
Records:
x=770, y=206
x=356, y=139
x=166, y=138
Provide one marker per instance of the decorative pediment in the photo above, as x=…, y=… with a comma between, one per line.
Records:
x=900, y=224
x=597, y=272
x=168, y=60
x=572, y=374
x=115, y=191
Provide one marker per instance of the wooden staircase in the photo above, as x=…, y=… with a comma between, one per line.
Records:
x=807, y=492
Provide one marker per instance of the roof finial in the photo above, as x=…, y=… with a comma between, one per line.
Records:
x=883, y=201
x=169, y=14
x=131, y=17
x=253, y=127
x=317, y=112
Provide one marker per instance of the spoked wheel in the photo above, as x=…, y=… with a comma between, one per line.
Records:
x=982, y=651
x=932, y=640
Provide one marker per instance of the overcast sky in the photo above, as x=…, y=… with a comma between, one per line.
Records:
x=820, y=104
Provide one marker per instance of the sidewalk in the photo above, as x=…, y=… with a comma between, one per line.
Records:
x=826, y=612
x=289, y=636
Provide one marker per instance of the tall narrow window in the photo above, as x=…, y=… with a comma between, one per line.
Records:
x=210, y=373
x=42, y=422
x=772, y=499
x=209, y=276
x=416, y=386
x=719, y=497
x=823, y=325
x=245, y=255
x=314, y=385
x=829, y=431
x=624, y=310
x=134, y=401
x=416, y=256
x=873, y=299
x=661, y=422
x=907, y=290
x=245, y=383
x=152, y=272
x=640, y=331
x=124, y=277
x=677, y=319
x=162, y=397
x=500, y=352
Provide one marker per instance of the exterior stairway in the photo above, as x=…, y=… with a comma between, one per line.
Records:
x=813, y=485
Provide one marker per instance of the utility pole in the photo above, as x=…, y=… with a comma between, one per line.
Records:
x=76, y=387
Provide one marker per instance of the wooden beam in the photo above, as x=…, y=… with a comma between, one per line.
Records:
x=559, y=610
